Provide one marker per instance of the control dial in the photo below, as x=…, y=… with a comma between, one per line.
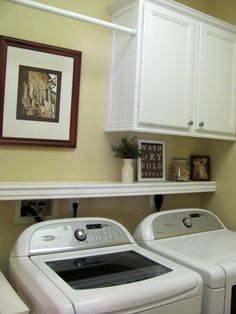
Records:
x=80, y=234
x=187, y=222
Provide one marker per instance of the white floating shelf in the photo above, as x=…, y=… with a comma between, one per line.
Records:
x=63, y=190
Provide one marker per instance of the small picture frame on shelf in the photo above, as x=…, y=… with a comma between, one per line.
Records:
x=151, y=166
x=199, y=168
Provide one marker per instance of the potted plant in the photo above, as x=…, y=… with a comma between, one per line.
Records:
x=128, y=150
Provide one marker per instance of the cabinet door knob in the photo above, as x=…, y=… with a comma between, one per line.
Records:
x=190, y=122
x=201, y=124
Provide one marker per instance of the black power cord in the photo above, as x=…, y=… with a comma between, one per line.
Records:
x=30, y=211
x=75, y=206
x=158, y=200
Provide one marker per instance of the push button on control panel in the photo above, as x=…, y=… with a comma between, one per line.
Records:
x=80, y=234
x=187, y=222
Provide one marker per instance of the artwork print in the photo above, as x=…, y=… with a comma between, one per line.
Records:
x=200, y=168
x=38, y=94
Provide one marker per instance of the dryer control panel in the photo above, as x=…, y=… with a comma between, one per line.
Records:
x=76, y=234
x=184, y=222
x=176, y=222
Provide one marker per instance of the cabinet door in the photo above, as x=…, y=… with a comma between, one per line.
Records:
x=167, y=69
x=216, y=83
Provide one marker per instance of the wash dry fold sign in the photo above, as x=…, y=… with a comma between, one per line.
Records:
x=152, y=163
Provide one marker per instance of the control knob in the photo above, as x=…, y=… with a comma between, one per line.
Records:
x=80, y=234
x=187, y=222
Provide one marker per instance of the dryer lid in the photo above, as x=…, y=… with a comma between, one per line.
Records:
x=207, y=253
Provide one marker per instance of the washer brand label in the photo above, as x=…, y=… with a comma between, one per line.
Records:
x=48, y=238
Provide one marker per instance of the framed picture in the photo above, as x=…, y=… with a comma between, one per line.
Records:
x=39, y=93
x=151, y=166
x=200, y=168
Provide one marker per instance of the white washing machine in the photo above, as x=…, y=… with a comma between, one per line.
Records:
x=197, y=239
x=93, y=265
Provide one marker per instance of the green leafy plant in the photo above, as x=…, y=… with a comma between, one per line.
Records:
x=128, y=149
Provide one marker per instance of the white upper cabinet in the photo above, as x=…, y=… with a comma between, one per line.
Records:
x=215, y=110
x=166, y=79
x=176, y=76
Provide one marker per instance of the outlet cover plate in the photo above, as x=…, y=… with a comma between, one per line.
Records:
x=50, y=209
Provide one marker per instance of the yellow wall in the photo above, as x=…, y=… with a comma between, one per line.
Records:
x=224, y=10
x=93, y=160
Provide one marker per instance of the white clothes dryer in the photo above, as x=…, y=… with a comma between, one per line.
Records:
x=197, y=239
x=93, y=265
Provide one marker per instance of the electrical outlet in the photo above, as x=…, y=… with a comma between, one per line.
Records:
x=152, y=202
x=71, y=201
x=45, y=208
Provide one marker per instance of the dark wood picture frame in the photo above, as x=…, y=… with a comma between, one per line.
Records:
x=33, y=92
x=199, y=168
x=151, y=166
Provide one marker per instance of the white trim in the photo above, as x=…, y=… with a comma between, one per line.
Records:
x=64, y=190
x=180, y=8
x=156, y=130
x=73, y=15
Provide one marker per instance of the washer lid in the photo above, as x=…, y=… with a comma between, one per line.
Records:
x=167, y=287
x=111, y=269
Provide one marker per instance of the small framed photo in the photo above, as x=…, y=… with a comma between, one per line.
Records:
x=151, y=166
x=199, y=168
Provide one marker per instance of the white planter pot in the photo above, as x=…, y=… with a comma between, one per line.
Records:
x=127, y=172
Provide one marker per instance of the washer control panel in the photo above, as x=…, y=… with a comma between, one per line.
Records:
x=183, y=223
x=77, y=234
